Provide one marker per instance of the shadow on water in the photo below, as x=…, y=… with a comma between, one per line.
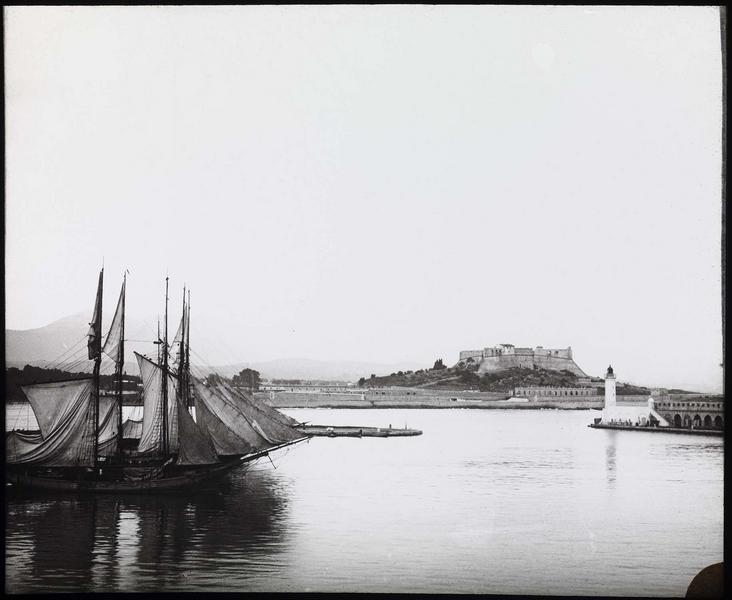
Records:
x=611, y=458
x=142, y=542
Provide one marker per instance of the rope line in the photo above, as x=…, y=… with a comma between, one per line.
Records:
x=72, y=347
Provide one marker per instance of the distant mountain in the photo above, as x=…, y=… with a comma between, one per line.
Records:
x=44, y=343
x=65, y=340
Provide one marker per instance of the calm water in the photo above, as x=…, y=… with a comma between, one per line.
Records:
x=494, y=501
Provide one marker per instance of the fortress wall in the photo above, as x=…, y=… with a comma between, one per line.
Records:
x=491, y=364
x=558, y=363
x=500, y=351
x=555, y=352
x=527, y=361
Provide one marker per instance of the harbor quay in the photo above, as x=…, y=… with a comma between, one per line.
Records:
x=399, y=397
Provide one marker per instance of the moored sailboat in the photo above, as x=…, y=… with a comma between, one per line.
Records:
x=81, y=442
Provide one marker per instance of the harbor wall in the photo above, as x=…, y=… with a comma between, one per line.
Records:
x=422, y=400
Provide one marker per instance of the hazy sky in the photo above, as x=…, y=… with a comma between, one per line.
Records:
x=377, y=183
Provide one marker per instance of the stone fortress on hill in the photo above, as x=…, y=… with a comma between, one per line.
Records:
x=506, y=356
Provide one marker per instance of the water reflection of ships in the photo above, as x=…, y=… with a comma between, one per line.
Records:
x=141, y=542
x=81, y=442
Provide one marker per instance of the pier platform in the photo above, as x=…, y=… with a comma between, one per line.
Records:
x=708, y=432
x=355, y=431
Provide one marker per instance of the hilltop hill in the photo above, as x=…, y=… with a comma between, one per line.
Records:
x=461, y=378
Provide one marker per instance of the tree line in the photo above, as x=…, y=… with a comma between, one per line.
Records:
x=15, y=378
x=246, y=378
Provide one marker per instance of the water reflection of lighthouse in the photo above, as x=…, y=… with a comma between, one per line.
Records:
x=611, y=458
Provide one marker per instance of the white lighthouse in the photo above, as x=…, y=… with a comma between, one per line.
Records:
x=628, y=417
x=609, y=411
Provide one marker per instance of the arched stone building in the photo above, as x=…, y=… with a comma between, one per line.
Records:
x=699, y=412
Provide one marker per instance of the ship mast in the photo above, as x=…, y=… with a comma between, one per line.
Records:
x=95, y=352
x=120, y=369
x=182, y=392
x=187, y=371
x=165, y=375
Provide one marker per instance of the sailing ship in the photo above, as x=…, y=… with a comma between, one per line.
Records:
x=83, y=444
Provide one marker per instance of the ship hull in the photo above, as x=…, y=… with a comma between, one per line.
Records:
x=117, y=481
x=133, y=477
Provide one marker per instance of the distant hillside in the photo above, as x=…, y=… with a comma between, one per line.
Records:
x=309, y=369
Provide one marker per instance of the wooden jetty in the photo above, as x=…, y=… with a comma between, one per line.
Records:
x=355, y=431
x=712, y=432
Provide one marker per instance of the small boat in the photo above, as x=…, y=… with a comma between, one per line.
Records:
x=81, y=443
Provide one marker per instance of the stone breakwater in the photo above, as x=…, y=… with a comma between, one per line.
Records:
x=708, y=432
x=356, y=431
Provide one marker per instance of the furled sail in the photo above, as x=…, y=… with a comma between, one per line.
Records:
x=176, y=346
x=268, y=410
x=114, y=336
x=52, y=401
x=151, y=438
x=132, y=429
x=108, y=424
x=185, y=437
x=273, y=429
x=18, y=443
x=195, y=446
x=68, y=439
x=94, y=343
x=228, y=428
